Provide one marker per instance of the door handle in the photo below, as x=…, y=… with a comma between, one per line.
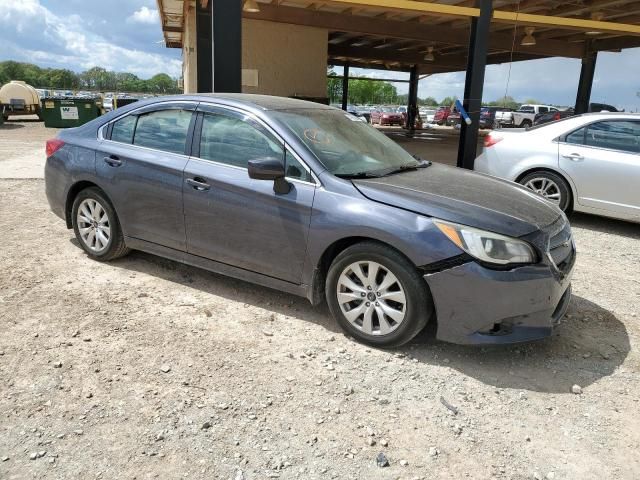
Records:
x=113, y=161
x=576, y=157
x=198, y=183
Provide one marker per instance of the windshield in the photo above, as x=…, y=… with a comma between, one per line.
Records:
x=344, y=145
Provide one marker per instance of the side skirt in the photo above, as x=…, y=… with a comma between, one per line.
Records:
x=217, y=267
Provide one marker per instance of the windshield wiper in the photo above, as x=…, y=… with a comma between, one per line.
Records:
x=358, y=175
x=386, y=171
x=406, y=167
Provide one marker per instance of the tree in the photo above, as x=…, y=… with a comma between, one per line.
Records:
x=448, y=101
x=429, y=101
x=505, y=101
x=334, y=87
x=361, y=91
x=96, y=78
x=161, y=83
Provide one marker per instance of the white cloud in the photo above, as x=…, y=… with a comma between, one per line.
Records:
x=70, y=44
x=145, y=15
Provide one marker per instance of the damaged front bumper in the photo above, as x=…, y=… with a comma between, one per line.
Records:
x=479, y=305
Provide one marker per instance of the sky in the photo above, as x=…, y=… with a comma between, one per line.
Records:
x=125, y=35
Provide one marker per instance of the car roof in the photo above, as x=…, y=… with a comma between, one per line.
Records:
x=604, y=115
x=261, y=102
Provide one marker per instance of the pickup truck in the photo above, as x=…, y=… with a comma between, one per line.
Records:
x=523, y=117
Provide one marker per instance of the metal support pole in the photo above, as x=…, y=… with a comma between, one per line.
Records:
x=586, y=82
x=476, y=63
x=412, y=107
x=204, y=48
x=227, y=45
x=345, y=87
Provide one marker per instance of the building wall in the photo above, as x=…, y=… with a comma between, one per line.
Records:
x=277, y=58
x=189, y=59
x=286, y=60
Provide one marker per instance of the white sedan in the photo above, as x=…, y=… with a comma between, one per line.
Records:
x=589, y=163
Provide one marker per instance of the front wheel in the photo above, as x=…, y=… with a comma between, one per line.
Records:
x=96, y=226
x=377, y=295
x=551, y=186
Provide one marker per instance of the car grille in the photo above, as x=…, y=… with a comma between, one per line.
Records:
x=561, y=248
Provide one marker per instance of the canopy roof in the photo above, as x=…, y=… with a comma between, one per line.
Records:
x=395, y=34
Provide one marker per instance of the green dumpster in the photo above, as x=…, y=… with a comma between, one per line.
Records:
x=65, y=112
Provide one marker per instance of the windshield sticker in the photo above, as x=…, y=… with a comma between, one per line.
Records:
x=316, y=135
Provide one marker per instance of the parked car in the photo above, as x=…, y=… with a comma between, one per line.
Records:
x=427, y=114
x=441, y=115
x=453, y=118
x=587, y=163
x=488, y=116
x=298, y=197
x=386, y=116
x=364, y=112
x=523, y=117
x=402, y=111
x=569, y=112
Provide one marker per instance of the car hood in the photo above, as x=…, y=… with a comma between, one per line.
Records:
x=465, y=197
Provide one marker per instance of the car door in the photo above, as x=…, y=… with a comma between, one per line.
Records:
x=603, y=161
x=140, y=164
x=239, y=221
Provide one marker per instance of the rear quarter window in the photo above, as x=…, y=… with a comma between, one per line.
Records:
x=122, y=130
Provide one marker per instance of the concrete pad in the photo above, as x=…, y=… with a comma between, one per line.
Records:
x=22, y=147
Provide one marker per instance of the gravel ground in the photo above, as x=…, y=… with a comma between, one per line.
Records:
x=145, y=368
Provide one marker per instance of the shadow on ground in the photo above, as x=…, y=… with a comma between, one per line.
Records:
x=605, y=225
x=11, y=126
x=589, y=344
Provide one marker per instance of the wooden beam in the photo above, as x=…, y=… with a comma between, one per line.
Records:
x=530, y=19
x=454, y=62
x=172, y=28
x=500, y=16
x=404, y=30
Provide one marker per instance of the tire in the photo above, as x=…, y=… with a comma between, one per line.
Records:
x=525, y=123
x=93, y=205
x=406, y=320
x=554, y=184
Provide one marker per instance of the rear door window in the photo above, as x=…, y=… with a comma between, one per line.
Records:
x=164, y=130
x=623, y=135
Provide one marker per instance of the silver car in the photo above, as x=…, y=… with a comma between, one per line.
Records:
x=588, y=163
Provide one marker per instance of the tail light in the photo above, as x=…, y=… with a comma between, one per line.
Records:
x=53, y=146
x=490, y=140
x=556, y=116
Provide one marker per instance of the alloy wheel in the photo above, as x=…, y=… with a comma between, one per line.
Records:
x=371, y=298
x=545, y=187
x=93, y=225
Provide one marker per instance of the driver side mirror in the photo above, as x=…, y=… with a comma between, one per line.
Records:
x=269, y=168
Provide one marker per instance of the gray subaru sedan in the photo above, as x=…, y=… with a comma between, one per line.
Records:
x=307, y=199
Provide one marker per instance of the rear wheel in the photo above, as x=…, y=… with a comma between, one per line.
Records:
x=377, y=295
x=525, y=123
x=549, y=185
x=96, y=226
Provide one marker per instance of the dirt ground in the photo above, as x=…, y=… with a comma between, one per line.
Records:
x=144, y=368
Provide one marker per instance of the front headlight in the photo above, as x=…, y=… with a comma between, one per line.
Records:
x=487, y=246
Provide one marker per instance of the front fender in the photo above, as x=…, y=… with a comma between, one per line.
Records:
x=337, y=216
